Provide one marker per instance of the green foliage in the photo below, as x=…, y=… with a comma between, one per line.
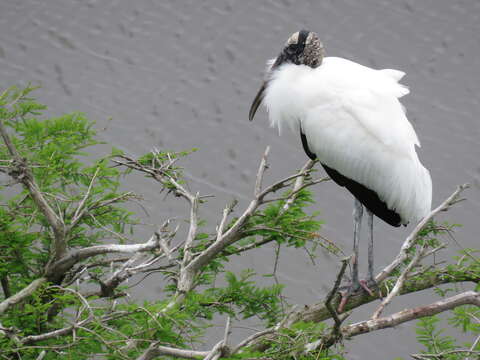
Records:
x=242, y=297
x=293, y=342
x=292, y=227
x=466, y=319
x=55, y=149
x=59, y=152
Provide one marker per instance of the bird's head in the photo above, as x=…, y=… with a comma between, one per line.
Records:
x=302, y=48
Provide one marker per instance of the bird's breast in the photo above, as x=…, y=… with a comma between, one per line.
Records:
x=287, y=96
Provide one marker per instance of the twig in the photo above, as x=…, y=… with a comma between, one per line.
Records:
x=331, y=295
x=192, y=231
x=156, y=350
x=251, y=338
x=80, y=208
x=234, y=233
x=441, y=355
x=261, y=172
x=400, y=281
x=221, y=226
x=298, y=184
x=410, y=240
x=68, y=261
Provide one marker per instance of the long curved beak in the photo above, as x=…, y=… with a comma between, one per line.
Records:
x=260, y=95
x=257, y=101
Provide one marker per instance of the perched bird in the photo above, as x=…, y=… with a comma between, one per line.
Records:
x=349, y=117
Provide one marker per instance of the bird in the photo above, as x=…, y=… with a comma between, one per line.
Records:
x=350, y=118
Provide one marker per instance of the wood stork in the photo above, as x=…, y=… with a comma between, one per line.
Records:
x=349, y=117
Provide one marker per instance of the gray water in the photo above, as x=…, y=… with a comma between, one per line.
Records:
x=182, y=74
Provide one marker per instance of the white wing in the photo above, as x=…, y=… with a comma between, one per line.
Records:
x=356, y=125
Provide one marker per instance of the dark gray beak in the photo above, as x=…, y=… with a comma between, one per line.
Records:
x=260, y=95
x=257, y=101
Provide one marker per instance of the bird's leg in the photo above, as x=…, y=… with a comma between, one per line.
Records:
x=355, y=285
x=370, y=283
x=370, y=277
x=357, y=218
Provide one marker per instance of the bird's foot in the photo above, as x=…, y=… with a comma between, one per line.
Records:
x=346, y=292
x=372, y=285
x=366, y=285
x=369, y=286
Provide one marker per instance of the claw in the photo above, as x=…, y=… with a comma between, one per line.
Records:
x=366, y=285
x=363, y=284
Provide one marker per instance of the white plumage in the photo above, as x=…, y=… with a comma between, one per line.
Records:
x=354, y=122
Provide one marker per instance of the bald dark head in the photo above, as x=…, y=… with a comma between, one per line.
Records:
x=302, y=48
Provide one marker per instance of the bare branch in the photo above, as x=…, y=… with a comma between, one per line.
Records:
x=251, y=338
x=221, y=226
x=118, y=198
x=192, y=231
x=331, y=295
x=158, y=350
x=318, y=312
x=468, y=297
x=76, y=256
x=80, y=208
x=261, y=172
x=298, y=185
x=234, y=233
x=410, y=240
x=441, y=355
x=400, y=281
x=22, y=294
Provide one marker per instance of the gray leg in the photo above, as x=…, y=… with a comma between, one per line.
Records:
x=357, y=217
x=370, y=278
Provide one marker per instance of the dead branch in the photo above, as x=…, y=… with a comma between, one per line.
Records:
x=328, y=302
x=234, y=233
x=80, y=208
x=298, y=185
x=65, y=263
x=156, y=350
x=410, y=240
x=400, y=281
x=468, y=297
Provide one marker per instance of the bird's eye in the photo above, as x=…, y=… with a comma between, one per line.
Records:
x=291, y=49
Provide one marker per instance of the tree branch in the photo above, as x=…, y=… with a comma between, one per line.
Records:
x=234, y=233
x=22, y=294
x=158, y=350
x=23, y=174
x=64, y=264
x=318, y=312
x=410, y=240
x=468, y=297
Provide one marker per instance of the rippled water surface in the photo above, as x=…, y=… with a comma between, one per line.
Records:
x=182, y=74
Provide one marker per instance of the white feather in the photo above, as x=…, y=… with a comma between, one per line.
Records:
x=355, y=124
